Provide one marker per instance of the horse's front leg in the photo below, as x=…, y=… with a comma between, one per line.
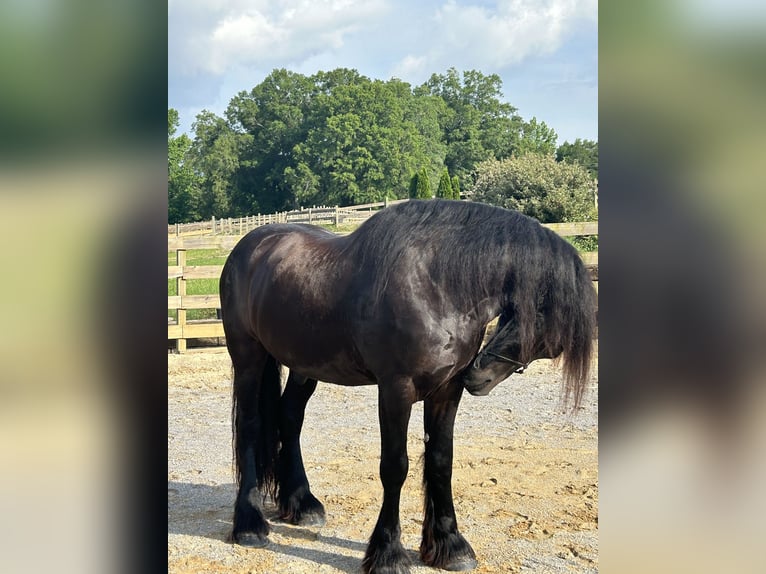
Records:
x=385, y=554
x=442, y=546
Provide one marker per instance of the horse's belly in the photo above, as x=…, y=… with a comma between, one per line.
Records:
x=336, y=374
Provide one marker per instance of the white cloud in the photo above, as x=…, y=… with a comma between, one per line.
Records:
x=242, y=37
x=410, y=66
x=214, y=37
x=501, y=35
x=219, y=47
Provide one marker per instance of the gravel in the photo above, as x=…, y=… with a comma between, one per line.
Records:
x=525, y=477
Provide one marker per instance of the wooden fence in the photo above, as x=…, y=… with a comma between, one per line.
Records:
x=313, y=215
x=180, y=330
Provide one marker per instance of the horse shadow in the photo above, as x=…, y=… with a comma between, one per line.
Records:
x=204, y=510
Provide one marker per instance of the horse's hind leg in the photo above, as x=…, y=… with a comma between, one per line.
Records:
x=256, y=397
x=442, y=546
x=296, y=503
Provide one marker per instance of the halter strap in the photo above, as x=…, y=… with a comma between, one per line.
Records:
x=521, y=366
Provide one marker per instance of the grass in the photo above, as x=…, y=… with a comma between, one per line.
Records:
x=342, y=228
x=585, y=243
x=197, y=286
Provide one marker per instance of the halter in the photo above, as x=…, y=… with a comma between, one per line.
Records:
x=520, y=366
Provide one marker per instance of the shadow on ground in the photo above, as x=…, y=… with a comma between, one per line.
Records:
x=203, y=510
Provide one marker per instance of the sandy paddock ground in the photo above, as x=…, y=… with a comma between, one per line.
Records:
x=525, y=478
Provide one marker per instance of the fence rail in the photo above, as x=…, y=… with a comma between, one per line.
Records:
x=181, y=329
x=312, y=215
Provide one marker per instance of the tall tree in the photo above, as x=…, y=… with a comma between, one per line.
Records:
x=422, y=186
x=478, y=125
x=444, y=190
x=538, y=138
x=413, y=190
x=341, y=138
x=215, y=158
x=455, y=187
x=426, y=112
x=274, y=116
x=584, y=152
x=365, y=138
x=183, y=184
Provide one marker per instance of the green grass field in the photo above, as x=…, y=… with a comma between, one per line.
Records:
x=198, y=286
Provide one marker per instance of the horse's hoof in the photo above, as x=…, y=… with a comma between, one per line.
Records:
x=311, y=519
x=305, y=511
x=461, y=564
x=251, y=540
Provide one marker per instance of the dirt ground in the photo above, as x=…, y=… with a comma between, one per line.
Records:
x=525, y=477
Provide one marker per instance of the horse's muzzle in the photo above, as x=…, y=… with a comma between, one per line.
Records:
x=478, y=383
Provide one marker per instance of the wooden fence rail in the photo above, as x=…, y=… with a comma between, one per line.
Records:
x=180, y=330
x=313, y=215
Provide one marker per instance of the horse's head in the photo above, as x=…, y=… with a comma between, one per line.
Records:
x=503, y=355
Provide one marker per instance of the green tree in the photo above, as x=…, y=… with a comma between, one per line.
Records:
x=424, y=185
x=538, y=186
x=215, y=156
x=271, y=119
x=365, y=139
x=420, y=185
x=341, y=138
x=425, y=113
x=444, y=190
x=477, y=124
x=173, y=121
x=455, y=187
x=584, y=152
x=537, y=137
x=413, y=188
x=183, y=183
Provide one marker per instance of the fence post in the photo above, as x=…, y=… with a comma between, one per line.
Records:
x=181, y=292
x=337, y=216
x=240, y=226
x=212, y=222
x=595, y=195
x=309, y=216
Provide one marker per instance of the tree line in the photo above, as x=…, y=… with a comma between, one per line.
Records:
x=340, y=138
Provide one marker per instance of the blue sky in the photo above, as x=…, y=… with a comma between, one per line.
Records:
x=545, y=51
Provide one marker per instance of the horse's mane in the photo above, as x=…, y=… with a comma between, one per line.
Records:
x=472, y=250
x=469, y=247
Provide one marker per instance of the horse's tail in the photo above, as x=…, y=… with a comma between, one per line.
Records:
x=256, y=392
x=255, y=425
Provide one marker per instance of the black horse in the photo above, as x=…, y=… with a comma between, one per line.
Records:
x=402, y=303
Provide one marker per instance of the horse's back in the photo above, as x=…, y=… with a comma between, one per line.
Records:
x=290, y=287
x=275, y=233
